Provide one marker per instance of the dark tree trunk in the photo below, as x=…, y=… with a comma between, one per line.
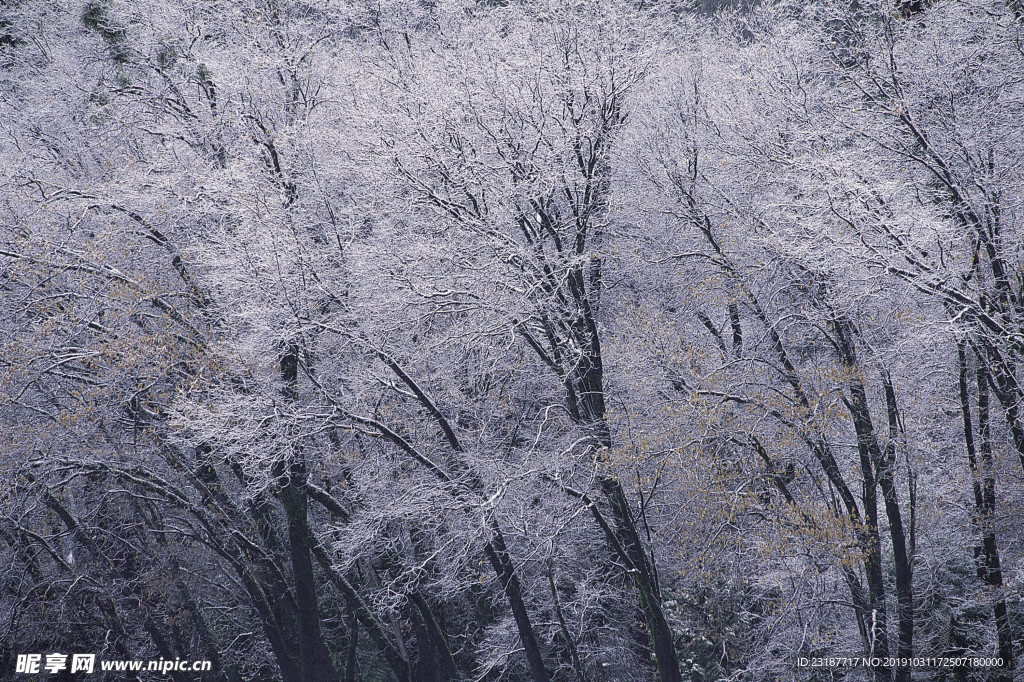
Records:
x=878, y=468
x=496, y=550
x=590, y=381
x=897, y=532
x=444, y=668
x=314, y=660
x=351, y=658
x=497, y=554
x=983, y=483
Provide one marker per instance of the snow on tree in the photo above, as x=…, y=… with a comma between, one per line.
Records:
x=512, y=340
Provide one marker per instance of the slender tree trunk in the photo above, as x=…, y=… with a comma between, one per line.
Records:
x=592, y=400
x=876, y=616
x=314, y=660
x=897, y=533
x=878, y=470
x=445, y=665
x=570, y=642
x=497, y=554
x=351, y=659
x=662, y=640
x=496, y=550
x=983, y=483
x=377, y=631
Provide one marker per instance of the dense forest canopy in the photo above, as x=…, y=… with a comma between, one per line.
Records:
x=554, y=340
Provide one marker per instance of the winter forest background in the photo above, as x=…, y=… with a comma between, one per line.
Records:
x=541, y=340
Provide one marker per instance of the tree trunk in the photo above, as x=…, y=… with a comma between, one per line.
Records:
x=497, y=554
x=590, y=379
x=983, y=483
x=314, y=660
x=445, y=667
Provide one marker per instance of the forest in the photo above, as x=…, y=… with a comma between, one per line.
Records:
x=513, y=340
